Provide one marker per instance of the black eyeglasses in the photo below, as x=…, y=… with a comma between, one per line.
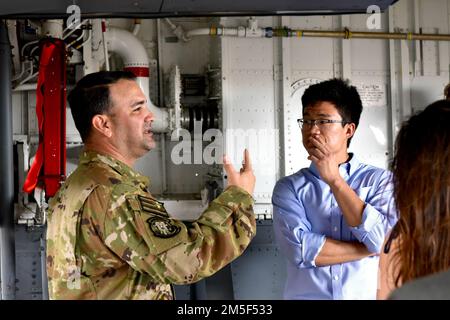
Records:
x=321, y=123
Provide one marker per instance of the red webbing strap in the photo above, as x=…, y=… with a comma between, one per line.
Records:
x=49, y=165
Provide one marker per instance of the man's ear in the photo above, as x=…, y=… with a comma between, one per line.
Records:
x=351, y=127
x=102, y=124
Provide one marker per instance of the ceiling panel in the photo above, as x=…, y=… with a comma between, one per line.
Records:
x=168, y=8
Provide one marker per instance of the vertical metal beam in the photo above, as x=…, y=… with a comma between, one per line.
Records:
x=278, y=99
x=418, y=44
x=405, y=80
x=288, y=110
x=44, y=279
x=395, y=98
x=346, y=50
x=159, y=35
x=7, y=240
x=337, y=48
x=226, y=101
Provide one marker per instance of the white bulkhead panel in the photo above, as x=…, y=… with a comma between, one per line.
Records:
x=249, y=106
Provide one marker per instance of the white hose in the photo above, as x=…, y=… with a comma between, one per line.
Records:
x=135, y=57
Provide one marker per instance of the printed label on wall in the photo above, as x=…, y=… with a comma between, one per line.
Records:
x=372, y=95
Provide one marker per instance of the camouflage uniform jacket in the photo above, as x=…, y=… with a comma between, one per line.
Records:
x=108, y=238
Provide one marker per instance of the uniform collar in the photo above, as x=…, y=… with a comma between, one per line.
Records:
x=345, y=169
x=122, y=168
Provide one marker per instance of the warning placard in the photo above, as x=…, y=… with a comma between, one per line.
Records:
x=372, y=95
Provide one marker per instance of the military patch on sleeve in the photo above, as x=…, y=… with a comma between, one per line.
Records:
x=163, y=227
x=152, y=206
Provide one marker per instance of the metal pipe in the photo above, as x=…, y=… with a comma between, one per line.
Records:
x=137, y=26
x=160, y=102
x=105, y=46
x=22, y=71
x=77, y=39
x=287, y=32
x=31, y=76
x=198, y=32
x=7, y=234
x=347, y=34
x=22, y=56
x=87, y=39
x=163, y=163
x=160, y=64
x=26, y=87
x=135, y=59
x=177, y=30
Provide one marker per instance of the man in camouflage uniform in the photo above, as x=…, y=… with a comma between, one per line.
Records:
x=107, y=237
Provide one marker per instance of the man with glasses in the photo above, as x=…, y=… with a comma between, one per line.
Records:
x=330, y=219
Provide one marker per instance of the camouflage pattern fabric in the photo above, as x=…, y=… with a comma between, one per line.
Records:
x=108, y=238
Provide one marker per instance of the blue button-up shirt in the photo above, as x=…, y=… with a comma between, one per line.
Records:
x=305, y=212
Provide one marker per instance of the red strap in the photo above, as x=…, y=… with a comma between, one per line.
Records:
x=50, y=110
x=35, y=169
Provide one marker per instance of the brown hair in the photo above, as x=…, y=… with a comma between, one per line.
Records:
x=421, y=170
x=447, y=91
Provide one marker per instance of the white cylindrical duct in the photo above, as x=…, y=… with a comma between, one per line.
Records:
x=135, y=59
x=52, y=28
x=199, y=32
x=227, y=32
x=136, y=26
x=105, y=46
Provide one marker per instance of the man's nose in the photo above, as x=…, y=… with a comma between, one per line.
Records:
x=313, y=128
x=149, y=117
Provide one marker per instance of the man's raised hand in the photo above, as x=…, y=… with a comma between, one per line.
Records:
x=244, y=179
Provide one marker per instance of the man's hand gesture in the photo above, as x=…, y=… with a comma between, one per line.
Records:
x=244, y=179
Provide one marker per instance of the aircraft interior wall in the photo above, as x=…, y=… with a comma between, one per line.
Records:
x=247, y=92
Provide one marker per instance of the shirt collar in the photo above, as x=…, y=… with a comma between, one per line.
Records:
x=122, y=168
x=347, y=168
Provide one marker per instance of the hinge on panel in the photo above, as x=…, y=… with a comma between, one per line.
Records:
x=277, y=72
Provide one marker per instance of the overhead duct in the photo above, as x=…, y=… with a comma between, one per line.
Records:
x=135, y=59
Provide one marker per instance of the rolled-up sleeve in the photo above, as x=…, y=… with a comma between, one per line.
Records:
x=292, y=229
x=379, y=215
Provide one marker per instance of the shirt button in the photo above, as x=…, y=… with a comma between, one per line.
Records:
x=335, y=277
x=335, y=229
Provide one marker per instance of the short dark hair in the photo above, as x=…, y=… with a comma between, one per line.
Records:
x=91, y=97
x=344, y=96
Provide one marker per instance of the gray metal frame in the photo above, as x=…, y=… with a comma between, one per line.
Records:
x=176, y=8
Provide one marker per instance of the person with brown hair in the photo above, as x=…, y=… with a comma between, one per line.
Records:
x=447, y=92
x=419, y=244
